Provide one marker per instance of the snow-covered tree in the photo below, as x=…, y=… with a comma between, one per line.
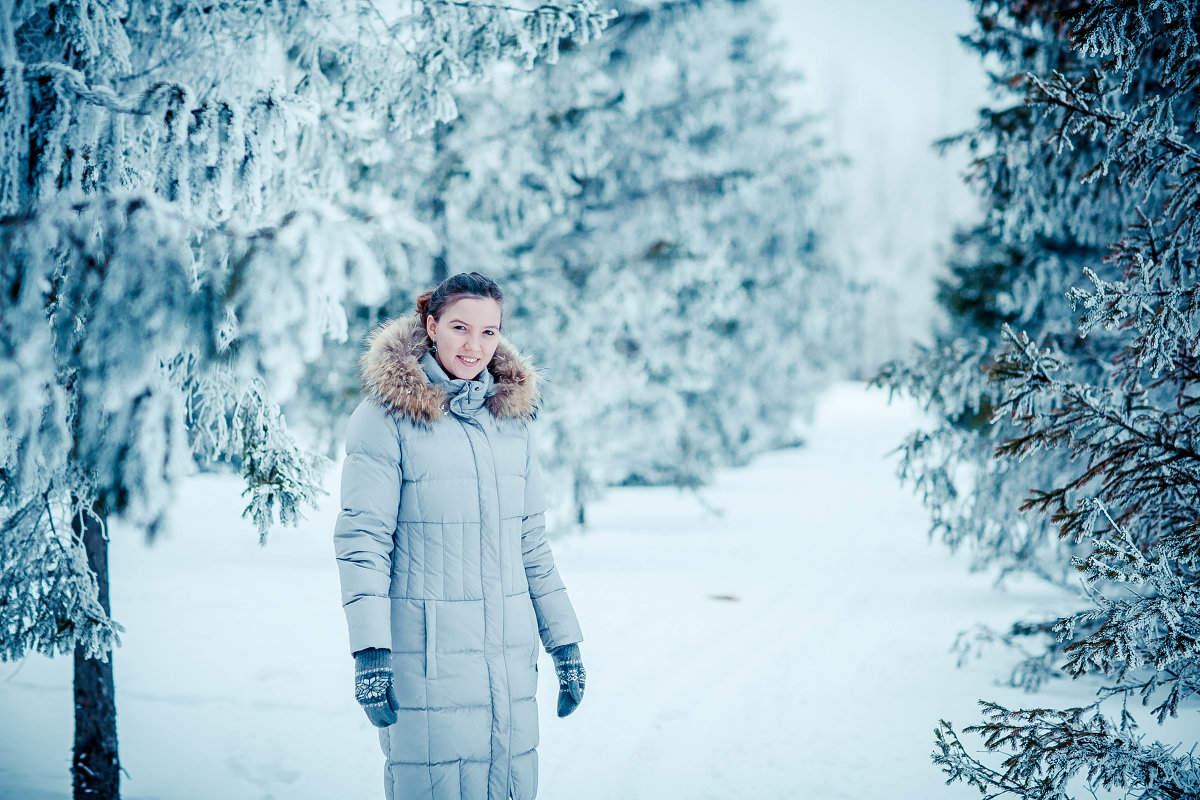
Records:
x=181, y=222
x=650, y=206
x=1067, y=385
x=721, y=221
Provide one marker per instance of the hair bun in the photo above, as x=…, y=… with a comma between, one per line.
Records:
x=423, y=304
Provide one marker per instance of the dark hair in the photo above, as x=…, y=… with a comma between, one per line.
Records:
x=456, y=287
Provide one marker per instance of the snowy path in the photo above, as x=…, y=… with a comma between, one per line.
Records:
x=786, y=638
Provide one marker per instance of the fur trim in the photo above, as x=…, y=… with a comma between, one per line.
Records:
x=392, y=374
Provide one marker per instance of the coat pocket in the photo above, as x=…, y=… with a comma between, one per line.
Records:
x=537, y=639
x=431, y=639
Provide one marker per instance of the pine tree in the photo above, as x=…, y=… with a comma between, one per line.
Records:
x=180, y=226
x=1075, y=336
x=650, y=205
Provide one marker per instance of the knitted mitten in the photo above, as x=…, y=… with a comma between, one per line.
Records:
x=571, y=677
x=373, y=686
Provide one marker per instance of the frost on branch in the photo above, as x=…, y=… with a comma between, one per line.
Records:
x=183, y=217
x=1047, y=750
x=1091, y=176
x=48, y=596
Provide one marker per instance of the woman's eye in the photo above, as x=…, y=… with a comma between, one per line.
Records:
x=490, y=333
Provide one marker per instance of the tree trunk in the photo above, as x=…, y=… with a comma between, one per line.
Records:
x=94, y=765
x=580, y=507
x=441, y=260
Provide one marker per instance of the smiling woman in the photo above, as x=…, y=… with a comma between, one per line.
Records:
x=468, y=334
x=448, y=582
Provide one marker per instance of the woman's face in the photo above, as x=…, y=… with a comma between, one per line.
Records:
x=466, y=336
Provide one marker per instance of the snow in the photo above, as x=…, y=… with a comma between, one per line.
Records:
x=784, y=633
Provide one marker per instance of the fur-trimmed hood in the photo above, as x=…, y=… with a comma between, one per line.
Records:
x=392, y=374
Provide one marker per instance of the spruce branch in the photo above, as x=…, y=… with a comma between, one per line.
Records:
x=72, y=79
x=1046, y=748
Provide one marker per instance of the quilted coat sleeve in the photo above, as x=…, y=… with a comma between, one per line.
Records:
x=555, y=616
x=362, y=536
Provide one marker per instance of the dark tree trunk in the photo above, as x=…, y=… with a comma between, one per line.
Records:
x=441, y=259
x=94, y=765
x=580, y=506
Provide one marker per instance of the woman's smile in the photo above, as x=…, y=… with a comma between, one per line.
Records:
x=465, y=337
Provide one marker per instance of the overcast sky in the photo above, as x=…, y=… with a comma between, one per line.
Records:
x=892, y=77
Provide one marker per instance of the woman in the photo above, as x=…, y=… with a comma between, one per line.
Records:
x=447, y=580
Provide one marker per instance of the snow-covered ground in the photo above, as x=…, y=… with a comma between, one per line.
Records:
x=784, y=634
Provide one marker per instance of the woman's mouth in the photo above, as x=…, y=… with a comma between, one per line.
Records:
x=470, y=362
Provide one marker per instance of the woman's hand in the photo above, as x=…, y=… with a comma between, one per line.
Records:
x=571, y=677
x=373, y=686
